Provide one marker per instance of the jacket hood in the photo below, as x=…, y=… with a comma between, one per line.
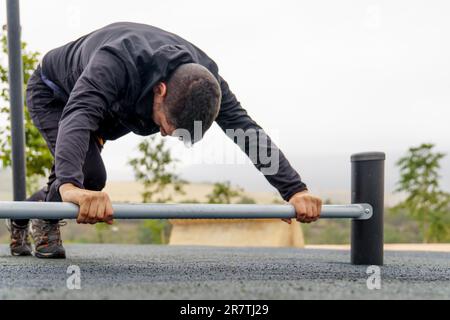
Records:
x=164, y=61
x=149, y=61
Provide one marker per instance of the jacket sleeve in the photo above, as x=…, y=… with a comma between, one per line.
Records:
x=99, y=85
x=232, y=116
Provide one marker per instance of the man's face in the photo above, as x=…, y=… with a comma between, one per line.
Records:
x=159, y=116
x=165, y=127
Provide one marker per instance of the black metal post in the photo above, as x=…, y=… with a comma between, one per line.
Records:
x=368, y=187
x=15, y=77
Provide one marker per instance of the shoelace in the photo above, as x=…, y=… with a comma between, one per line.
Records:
x=50, y=232
x=19, y=233
x=23, y=237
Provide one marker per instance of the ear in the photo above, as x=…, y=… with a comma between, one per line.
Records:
x=160, y=89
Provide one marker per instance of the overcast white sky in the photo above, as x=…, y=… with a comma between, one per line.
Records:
x=327, y=78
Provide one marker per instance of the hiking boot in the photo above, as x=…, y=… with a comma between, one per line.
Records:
x=20, y=242
x=47, y=239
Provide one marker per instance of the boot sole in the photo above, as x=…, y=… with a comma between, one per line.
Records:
x=21, y=254
x=50, y=255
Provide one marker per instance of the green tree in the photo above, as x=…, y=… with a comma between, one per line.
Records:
x=38, y=157
x=425, y=201
x=101, y=229
x=278, y=200
x=246, y=200
x=154, y=169
x=223, y=193
x=153, y=231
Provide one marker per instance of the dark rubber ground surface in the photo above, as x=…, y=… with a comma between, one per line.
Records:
x=165, y=272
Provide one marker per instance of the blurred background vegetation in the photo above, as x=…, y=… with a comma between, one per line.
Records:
x=424, y=215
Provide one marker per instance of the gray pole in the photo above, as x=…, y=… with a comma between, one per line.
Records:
x=60, y=210
x=368, y=187
x=15, y=77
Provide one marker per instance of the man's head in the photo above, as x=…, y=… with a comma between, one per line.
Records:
x=190, y=94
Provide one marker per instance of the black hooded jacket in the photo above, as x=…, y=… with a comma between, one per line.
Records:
x=107, y=77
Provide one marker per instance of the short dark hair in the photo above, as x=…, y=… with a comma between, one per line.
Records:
x=193, y=94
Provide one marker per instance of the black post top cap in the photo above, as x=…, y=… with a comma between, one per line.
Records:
x=368, y=156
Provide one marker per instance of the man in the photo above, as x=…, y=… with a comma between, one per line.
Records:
x=129, y=77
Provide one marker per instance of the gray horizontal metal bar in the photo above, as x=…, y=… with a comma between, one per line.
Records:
x=64, y=210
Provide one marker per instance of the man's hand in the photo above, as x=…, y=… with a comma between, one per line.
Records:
x=95, y=206
x=307, y=207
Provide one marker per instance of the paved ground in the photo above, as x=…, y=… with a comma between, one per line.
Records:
x=162, y=272
x=429, y=247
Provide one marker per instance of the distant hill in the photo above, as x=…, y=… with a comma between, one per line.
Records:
x=129, y=191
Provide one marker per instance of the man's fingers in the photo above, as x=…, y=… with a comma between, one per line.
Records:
x=288, y=221
x=83, y=212
x=315, y=208
x=92, y=218
x=301, y=212
x=109, y=219
x=319, y=207
x=310, y=211
x=307, y=207
x=101, y=211
x=313, y=211
x=94, y=206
